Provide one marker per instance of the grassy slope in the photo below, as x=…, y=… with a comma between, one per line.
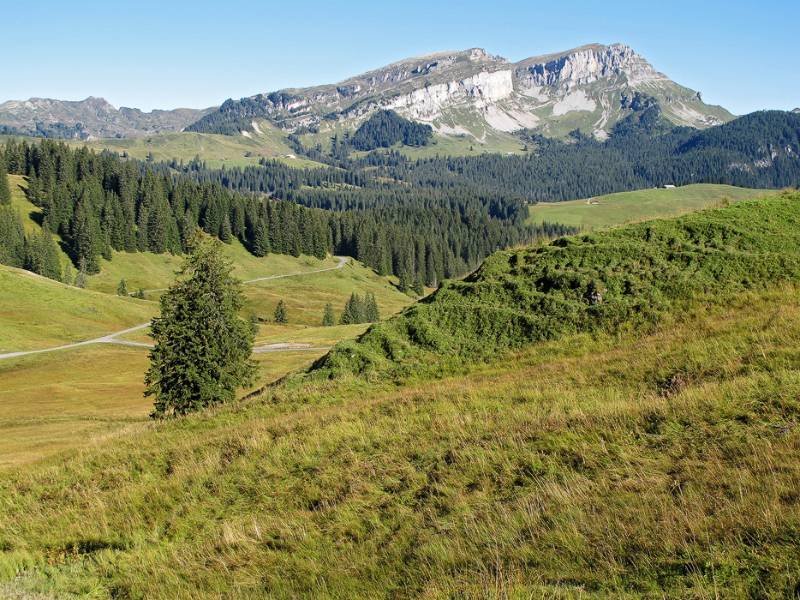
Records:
x=305, y=297
x=606, y=467
x=216, y=150
x=655, y=456
x=640, y=272
x=151, y=271
x=37, y=313
x=627, y=207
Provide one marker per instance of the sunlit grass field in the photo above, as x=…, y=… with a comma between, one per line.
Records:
x=628, y=207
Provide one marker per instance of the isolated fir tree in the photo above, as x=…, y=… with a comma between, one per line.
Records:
x=371, y=313
x=122, y=288
x=280, y=313
x=139, y=294
x=5, y=190
x=328, y=318
x=202, y=346
x=67, y=275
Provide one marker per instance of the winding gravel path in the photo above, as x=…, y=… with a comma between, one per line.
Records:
x=113, y=338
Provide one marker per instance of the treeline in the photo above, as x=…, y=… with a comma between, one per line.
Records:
x=37, y=252
x=421, y=234
x=98, y=203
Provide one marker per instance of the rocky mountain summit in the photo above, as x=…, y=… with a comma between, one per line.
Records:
x=474, y=93
x=89, y=118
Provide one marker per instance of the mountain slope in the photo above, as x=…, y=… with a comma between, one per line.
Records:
x=473, y=93
x=607, y=281
x=90, y=118
x=597, y=466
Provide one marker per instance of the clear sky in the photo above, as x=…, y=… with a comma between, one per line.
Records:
x=164, y=54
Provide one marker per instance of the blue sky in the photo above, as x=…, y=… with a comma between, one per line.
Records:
x=743, y=55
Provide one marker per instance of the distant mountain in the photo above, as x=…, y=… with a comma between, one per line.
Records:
x=473, y=93
x=90, y=118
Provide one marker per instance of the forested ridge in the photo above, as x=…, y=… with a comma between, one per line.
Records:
x=422, y=220
x=760, y=150
x=99, y=202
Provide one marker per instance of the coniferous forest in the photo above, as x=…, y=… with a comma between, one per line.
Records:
x=423, y=220
x=98, y=203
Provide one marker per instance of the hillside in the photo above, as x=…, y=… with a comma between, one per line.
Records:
x=607, y=281
x=38, y=312
x=627, y=207
x=90, y=118
x=476, y=95
x=216, y=151
x=647, y=449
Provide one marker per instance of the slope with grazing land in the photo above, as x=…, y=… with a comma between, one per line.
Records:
x=73, y=398
x=612, y=280
x=628, y=207
x=217, y=151
x=644, y=446
x=36, y=312
x=151, y=271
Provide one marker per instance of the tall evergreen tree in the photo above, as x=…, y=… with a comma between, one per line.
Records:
x=328, y=318
x=5, y=190
x=280, y=313
x=12, y=238
x=203, y=347
x=122, y=288
x=371, y=312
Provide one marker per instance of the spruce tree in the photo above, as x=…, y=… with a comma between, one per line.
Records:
x=5, y=190
x=67, y=275
x=328, y=318
x=122, y=288
x=12, y=238
x=371, y=313
x=202, y=346
x=353, y=311
x=280, y=313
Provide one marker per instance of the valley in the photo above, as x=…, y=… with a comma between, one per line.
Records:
x=533, y=460
x=458, y=325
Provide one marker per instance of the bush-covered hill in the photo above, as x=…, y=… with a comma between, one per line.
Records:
x=621, y=278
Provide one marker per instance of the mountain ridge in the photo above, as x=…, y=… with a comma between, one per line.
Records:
x=474, y=93
x=92, y=117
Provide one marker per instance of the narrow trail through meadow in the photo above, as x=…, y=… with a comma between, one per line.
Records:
x=113, y=338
